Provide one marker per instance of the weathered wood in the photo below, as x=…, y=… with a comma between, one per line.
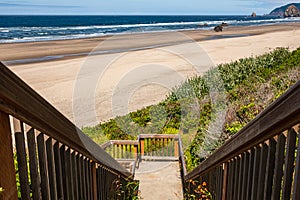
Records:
x=296, y=189
x=43, y=167
x=256, y=172
x=278, y=167
x=289, y=164
x=142, y=142
x=245, y=175
x=270, y=169
x=70, y=181
x=75, y=175
x=236, y=178
x=94, y=180
x=33, y=165
x=58, y=171
x=250, y=174
x=224, y=183
x=22, y=165
x=262, y=171
x=279, y=116
x=7, y=171
x=158, y=136
x=240, y=183
x=22, y=102
x=230, y=180
x=64, y=168
x=51, y=169
x=176, y=154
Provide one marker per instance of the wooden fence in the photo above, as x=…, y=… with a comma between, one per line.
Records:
x=262, y=161
x=43, y=155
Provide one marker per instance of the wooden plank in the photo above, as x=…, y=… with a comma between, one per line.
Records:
x=65, y=176
x=51, y=169
x=225, y=180
x=289, y=164
x=70, y=181
x=58, y=170
x=240, y=183
x=94, y=180
x=88, y=181
x=33, y=165
x=250, y=175
x=279, y=159
x=43, y=167
x=79, y=178
x=176, y=154
x=262, y=171
x=245, y=175
x=75, y=174
x=142, y=142
x=158, y=136
x=236, y=178
x=22, y=102
x=279, y=116
x=7, y=171
x=230, y=180
x=296, y=189
x=256, y=172
x=84, y=179
x=270, y=169
x=22, y=165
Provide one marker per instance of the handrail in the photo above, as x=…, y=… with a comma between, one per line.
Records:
x=258, y=159
x=22, y=102
x=279, y=116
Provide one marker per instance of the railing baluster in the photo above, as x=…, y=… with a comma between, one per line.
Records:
x=256, y=172
x=289, y=164
x=262, y=171
x=64, y=168
x=33, y=165
x=245, y=175
x=58, y=170
x=75, y=174
x=270, y=169
x=296, y=189
x=43, y=167
x=278, y=167
x=51, y=169
x=22, y=164
x=240, y=183
x=250, y=174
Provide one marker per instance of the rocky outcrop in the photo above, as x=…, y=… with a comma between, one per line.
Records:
x=253, y=14
x=218, y=28
x=292, y=11
x=279, y=12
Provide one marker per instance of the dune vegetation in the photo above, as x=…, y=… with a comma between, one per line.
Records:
x=207, y=110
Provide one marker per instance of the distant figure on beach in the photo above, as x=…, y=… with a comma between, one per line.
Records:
x=253, y=14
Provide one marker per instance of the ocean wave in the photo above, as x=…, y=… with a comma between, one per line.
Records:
x=36, y=33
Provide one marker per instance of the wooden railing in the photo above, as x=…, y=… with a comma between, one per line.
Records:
x=262, y=161
x=55, y=160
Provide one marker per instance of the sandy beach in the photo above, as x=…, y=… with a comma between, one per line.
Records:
x=92, y=80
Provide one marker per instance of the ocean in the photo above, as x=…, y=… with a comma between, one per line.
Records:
x=15, y=29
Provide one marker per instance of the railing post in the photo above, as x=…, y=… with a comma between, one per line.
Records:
x=7, y=170
x=94, y=180
x=142, y=141
x=224, y=187
x=135, y=151
x=176, y=154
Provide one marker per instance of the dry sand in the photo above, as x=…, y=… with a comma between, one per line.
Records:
x=129, y=72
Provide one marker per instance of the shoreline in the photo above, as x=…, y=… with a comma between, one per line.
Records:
x=55, y=80
x=44, y=51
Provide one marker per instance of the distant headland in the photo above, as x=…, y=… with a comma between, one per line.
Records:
x=289, y=10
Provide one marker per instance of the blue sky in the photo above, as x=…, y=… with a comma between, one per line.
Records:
x=137, y=7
